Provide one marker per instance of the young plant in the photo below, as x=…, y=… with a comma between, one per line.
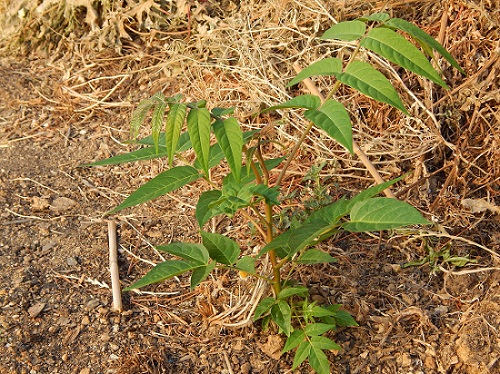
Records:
x=248, y=189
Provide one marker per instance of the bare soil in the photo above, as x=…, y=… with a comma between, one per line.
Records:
x=55, y=301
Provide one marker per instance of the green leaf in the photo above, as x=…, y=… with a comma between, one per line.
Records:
x=163, y=183
x=334, y=119
x=263, y=307
x=302, y=101
x=195, y=254
x=294, y=340
x=200, y=274
x=175, y=120
x=270, y=194
x=246, y=264
x=331, y=213
x=291, y=291
x=347, y=31
x=382, y=213
x=366, y=79
x=157, y=118
x=183, y=143
x=301, y=354
x=215, y=156
x=324, y=343
x=381, y=17
x=282, y=316
x=315, y=329
x=139, y=115
x=372, y=191
x=221, y=248
x=142, y=154
x=230, y=138
x=315, y=256
x=163, y=271
x=219, y=112
x=206, y=207
x=319, y=311
x=342, y=318
x=318, y=360
x=327, y=66
x=296, y=239
x=422, y=37
x=198, y=122
x=395, y=48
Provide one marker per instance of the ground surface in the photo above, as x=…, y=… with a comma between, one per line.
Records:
x=56, y=314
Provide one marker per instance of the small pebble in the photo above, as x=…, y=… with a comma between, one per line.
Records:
x=53, y=329
x=85, y=320
x=92, y=304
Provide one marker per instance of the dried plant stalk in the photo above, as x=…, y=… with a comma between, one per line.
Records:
x=113, y=266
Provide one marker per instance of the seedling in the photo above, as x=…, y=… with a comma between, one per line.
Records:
x=248, y=189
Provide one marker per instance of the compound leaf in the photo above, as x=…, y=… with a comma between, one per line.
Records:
x=334, y=119
x=327, y=66
x=395, y=48
x=422, y=37
x=347, y=31
x=382, y=213
x=366, y=79
x=163, y=183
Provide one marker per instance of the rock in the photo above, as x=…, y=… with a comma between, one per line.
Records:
x=62, y=204
x=36, y=309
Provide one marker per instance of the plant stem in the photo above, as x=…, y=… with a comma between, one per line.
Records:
x=272, y=253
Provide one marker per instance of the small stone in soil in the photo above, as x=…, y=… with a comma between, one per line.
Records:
x=36, y=309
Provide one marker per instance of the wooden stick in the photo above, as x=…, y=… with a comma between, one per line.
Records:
x=113, y=266
x=357, y=150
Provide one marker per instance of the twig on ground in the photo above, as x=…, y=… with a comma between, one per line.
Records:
x=113, y=266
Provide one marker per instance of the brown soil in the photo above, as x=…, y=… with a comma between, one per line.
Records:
x=55, y=303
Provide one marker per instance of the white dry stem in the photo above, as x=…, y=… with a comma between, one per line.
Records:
x=113, y=267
